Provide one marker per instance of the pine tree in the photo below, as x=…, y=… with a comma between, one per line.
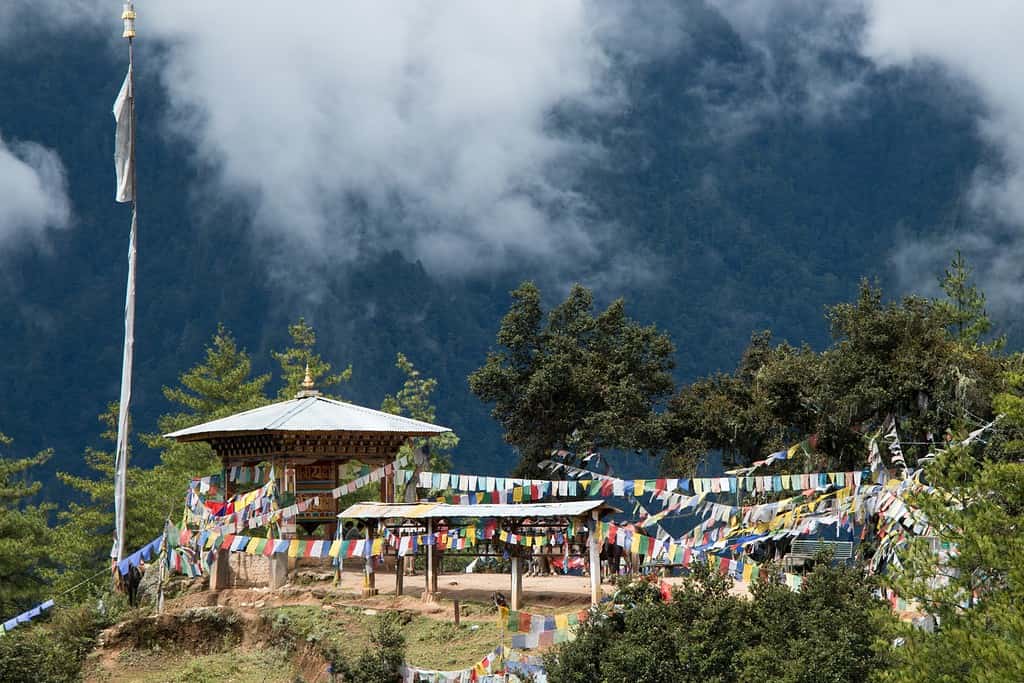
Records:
x=414, y=400
x=299, y=356
x=24, y=535
x=966, y=305
x=220, y=386
x=215, y=388
x=974, y=584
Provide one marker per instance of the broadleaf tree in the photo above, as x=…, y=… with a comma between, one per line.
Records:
x=888, y=361
x=574, y=379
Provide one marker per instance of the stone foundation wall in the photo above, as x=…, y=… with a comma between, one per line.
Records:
x=248, y=570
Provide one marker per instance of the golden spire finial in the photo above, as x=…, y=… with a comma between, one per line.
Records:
x=307, y=382
x=128, y=16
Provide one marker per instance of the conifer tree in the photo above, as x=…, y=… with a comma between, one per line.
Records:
x=220, y=386
x=295, y=359
x=217, y=387
x=966, y=306
x=414, y=400
x=971, y=577
x=24, y=536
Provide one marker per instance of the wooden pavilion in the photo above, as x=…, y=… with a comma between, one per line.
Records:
x=424, y=517
x=309, y=440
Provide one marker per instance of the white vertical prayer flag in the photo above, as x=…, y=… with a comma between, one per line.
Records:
x=121, y=449
x=124, y=140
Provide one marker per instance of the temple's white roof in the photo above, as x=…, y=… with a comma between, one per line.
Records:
x=309, y=414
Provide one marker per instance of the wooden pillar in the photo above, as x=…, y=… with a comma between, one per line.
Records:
x=516, y=603
x=595, y=561
x=430, y=579
x=369, y=578
x=399, y=575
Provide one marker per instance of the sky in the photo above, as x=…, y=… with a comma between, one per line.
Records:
x=429, y=127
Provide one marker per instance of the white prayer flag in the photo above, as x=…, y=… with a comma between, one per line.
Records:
x=124, y=115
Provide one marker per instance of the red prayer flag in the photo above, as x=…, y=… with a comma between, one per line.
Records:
x=524, y=622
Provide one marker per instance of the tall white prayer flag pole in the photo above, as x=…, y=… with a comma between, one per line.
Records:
x=124, y=164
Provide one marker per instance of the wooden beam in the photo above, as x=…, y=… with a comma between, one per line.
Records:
x=516, y=603
x=595, y=560
x=430, y=579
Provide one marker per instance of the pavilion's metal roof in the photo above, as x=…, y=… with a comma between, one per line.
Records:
x=308, y=414
x=573, y=508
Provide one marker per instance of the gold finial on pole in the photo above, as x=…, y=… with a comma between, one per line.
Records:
x=308, y=387
x=128, y=15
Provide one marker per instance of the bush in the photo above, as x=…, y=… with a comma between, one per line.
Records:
x=381, y=661
x=830, y=631
x=53, y=651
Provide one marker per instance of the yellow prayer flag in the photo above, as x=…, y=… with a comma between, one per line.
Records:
x=634, y=547
x=378, y=546
x=335, y=548
x=748, y=571
x=294, y=548
x=638, y=487
x=517, y=494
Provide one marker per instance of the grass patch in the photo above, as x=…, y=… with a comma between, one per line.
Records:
x=270, y=665
x=430, y=643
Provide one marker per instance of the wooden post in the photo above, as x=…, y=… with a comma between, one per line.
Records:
x=517, y=584
x=595, y=561
x=458, y=616
x=438, y=557
x=399, y=575
x=429, y=578
x=369, y=579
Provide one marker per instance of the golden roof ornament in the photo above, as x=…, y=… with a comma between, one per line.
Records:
x=128, y=16
x=308, y=386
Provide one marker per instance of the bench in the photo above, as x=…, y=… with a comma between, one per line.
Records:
x=802, y=550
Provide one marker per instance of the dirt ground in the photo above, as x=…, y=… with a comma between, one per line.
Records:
x=541, y=593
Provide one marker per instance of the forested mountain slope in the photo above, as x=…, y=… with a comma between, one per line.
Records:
x=730, y=200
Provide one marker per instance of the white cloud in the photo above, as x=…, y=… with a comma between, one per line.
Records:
x=429, y=127
x=420, y=126
x=803, y=62
x=33, y=192
x=979, y=43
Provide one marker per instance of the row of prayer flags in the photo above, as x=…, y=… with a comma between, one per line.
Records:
x=487, y=669
x=25, y=617
x=517, y=621
x=249, y=474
